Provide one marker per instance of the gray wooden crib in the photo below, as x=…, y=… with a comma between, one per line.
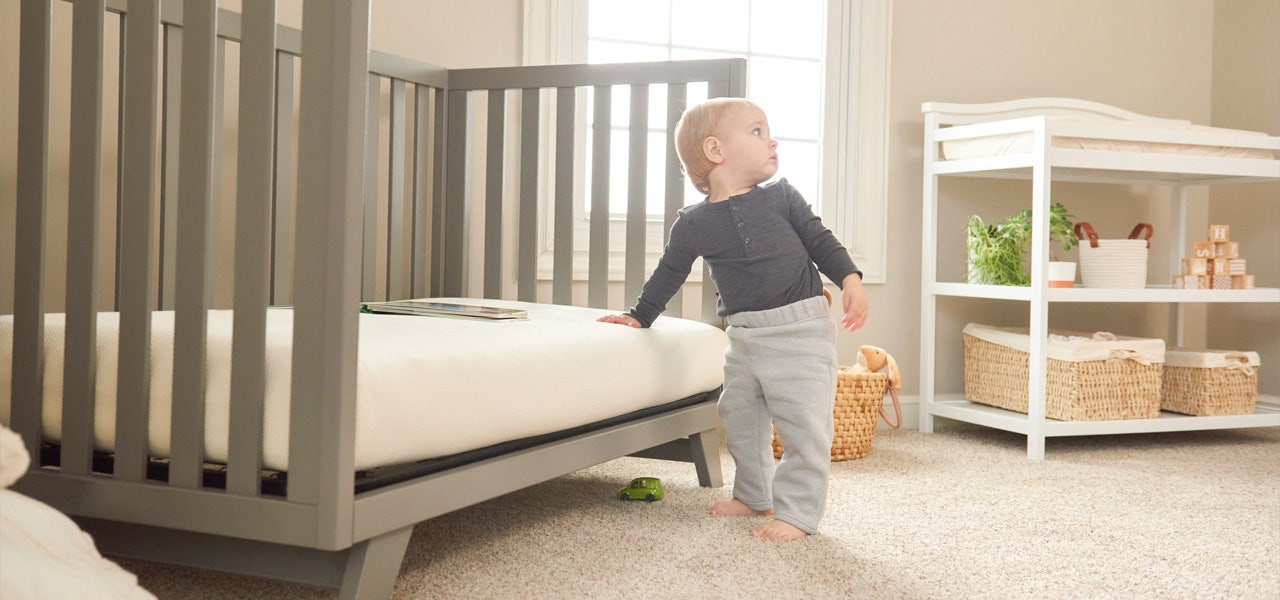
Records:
x=367, y=191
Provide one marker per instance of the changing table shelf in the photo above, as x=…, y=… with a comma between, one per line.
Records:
x=1124, y=168
x=1150, y=294
x=955, y=406
x=1041, y=155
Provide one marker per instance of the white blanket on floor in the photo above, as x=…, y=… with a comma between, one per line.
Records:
x=426, y=386
x=44, y=554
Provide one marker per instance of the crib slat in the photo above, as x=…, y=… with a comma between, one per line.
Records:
x=637, y=190
x=137, y=237
x=169, y=164
x=370, y=251
x=30, y=217
x=418, y=257
x=562, y=254
x=451, y=226
x=121, y=75
x=253, y=229
x=527, y=240
x=195, y=207
x=677, y=98
x=285, y=196
x=327, y=275
x=83, y=202
x=493, y=218
x=214, y=225
x=395, y=194
x=598, y=255
x=437, y=193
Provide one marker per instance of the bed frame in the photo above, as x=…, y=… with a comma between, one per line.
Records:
x=355, y=236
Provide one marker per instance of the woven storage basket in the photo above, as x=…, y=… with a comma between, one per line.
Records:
x=1089, y=390
x=859, y=397
x=1210, y=382
x=1114, y=263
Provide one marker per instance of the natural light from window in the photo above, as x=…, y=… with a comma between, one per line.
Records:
x=783, y=43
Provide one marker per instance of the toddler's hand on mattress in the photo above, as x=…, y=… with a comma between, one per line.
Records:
x=620, y=320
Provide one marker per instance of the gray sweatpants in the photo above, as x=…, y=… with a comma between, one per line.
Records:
x=780, y=368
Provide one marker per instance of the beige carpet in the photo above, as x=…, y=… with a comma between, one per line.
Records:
x=957, y=514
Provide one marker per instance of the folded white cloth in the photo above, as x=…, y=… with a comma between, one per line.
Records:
x=1075, y=346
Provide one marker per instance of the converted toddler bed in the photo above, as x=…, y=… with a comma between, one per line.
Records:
x=304, y=443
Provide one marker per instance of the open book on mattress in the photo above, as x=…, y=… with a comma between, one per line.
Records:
x=430, y=308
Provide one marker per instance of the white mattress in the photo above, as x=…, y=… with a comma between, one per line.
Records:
x=426, y=386
x=1022, y=142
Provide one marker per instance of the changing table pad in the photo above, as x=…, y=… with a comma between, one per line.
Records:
x=426, y=386
x=1023, y=142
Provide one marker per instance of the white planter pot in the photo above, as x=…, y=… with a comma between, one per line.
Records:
x=1062, y=274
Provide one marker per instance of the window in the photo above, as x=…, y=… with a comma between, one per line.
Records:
x=818, y=67
x=782, y=42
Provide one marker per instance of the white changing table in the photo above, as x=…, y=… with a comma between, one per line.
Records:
x=1041, y=161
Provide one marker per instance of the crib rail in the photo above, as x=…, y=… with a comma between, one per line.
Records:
x=568, y=84
x=352, y=182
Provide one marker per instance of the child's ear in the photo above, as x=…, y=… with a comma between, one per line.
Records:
x=711, y=147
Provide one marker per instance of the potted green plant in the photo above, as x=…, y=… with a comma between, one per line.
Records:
x=997, y=251
x=1061, y=273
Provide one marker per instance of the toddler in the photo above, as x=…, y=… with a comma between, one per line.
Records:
x=765, y=249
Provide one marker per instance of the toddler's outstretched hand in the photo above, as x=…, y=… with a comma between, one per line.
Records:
x=854, y=300
x=623, y=319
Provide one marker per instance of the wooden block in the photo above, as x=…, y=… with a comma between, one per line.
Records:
x=1219, y=233
x=1218, y=266
x=1195, y=282
x=1179, y=282
x=1242, y=282
x=1235, y=266
x=1203, y=250
x=1221, y=282
x=1195, y=266
x=1226, y=249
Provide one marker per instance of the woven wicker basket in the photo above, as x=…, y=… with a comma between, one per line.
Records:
x=1095, y=390
x=859, y=397
x=1228, y=389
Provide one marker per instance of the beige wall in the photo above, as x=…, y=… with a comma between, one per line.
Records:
x=475, y=33
x=1246, y=95
x=1211, y=62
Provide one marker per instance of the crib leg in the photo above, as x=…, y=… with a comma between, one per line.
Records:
x=705, y=448
x=373, y=565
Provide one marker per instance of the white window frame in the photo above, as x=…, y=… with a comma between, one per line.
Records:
x=855, y=120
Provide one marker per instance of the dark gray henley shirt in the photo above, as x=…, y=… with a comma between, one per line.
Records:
x=765, y=248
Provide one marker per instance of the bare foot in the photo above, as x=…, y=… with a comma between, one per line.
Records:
x=736, y=508
x=779, y=530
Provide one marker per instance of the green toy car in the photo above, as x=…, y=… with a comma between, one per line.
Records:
x=642, y=488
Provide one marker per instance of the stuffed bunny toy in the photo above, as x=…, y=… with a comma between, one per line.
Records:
x=873, y=359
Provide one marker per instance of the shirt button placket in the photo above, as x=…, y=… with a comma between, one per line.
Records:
x=742, y=232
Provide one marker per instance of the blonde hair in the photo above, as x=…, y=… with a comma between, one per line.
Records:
x=696, y=125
